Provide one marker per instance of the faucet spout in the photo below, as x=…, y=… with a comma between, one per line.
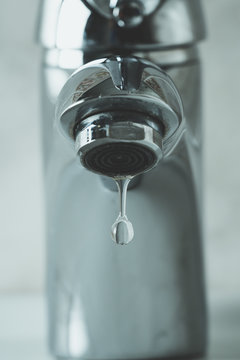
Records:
x=118, y=111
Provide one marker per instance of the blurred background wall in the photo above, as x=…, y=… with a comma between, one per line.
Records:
x=22, y=244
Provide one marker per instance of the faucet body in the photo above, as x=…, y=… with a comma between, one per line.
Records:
x=145, y=300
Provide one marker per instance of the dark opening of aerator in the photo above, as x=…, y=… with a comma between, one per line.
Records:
x=119, y=159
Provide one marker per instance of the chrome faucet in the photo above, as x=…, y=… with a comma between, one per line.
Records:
x=121, y=83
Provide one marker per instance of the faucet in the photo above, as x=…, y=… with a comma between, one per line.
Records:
x=121, y=107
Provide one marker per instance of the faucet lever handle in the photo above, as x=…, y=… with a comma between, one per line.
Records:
x=126, y=13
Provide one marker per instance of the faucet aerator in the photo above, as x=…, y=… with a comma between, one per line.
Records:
x=118, y=148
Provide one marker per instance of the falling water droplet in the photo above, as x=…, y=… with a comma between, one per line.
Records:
x=122, y=229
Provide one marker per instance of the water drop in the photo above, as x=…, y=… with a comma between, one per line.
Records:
x=122, y=229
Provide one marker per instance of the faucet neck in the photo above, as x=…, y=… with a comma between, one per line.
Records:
x=172, y=24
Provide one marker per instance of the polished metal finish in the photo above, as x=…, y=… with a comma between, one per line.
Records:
x=127, y=14
x=127, y=133
x=91, y=108
x=145, y=300
x=72, y=59
x=120, y=83
x=173, y=23
x=107, y=8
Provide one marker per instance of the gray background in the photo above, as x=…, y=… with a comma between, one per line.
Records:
x=22, y=248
